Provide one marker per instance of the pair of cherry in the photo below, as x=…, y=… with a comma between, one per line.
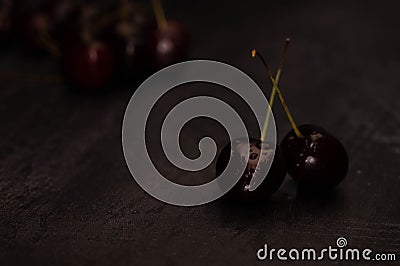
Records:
x=312, y=156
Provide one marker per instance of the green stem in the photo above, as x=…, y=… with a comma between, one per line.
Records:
x=278, y=91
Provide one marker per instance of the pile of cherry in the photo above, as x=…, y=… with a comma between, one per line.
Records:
x=314, y=158
x=96, y=43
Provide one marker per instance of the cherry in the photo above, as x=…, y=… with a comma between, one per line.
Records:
x=127, y=38
x=89, y=62
x=277, y=172
x=169, y=44
x=240, y=192
x=317, y=159
x=89, y=65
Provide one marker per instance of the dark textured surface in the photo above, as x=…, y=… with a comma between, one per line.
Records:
x=67, y=198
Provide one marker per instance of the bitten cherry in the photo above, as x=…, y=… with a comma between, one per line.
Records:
x=240, y=192
x=237, y=151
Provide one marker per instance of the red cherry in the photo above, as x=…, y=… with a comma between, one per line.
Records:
x=318, y=161
x=127, y=40
x=89, y=65
x=169, y=44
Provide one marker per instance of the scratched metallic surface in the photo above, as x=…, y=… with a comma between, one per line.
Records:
x=67, y=197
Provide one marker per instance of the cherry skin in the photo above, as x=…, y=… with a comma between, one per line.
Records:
x=170, y=44
x=89, y=61
x=89, y=65
x=127, y=40
x=240, y=192
x=316, y=161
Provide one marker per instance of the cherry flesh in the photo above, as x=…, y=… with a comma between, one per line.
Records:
x=240, y=192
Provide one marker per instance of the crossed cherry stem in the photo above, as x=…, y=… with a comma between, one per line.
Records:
x=276, y=90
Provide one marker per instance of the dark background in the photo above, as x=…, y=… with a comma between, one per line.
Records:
x=67, y=197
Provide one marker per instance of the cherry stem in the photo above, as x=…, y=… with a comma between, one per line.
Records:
x=273, y=91
x=125, y=9
x=49, y=43
x=159, y=14
x=278, y=91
